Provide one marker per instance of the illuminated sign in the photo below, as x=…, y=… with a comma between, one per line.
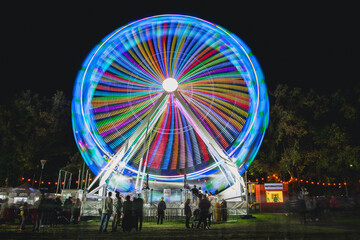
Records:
x=270, y=186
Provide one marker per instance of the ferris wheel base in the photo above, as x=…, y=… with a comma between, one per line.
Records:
x=233, y=193
x=172, y=191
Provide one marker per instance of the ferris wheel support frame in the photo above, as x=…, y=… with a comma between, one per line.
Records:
x=119, y=160
x=129, y=145
x=230, y=171
x=226, y=165
x=141, y=162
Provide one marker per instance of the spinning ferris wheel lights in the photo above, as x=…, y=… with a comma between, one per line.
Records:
x=168, y=95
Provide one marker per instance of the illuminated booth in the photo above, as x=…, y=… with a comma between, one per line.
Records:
x=22, y=193
x=272, y=196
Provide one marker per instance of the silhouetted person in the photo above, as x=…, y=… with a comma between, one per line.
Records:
x=118, y=208
x=301, y=208
x=68, y=205
x=58, y=209
x=24, y=213
x=217, y=210
x=334, y=204
x=5, y=211
x=107, y=210
x=76, y=212
x=195, y=191
x=39, y=207
x=128, y=209
x=188, y=213
x=211, y=210
x=224, y=210
x=161, y=211
x=138, y=207
x=204, y=206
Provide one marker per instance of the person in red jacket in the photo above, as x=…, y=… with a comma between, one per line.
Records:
x=334, y=203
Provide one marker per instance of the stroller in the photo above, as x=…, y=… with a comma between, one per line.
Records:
x=195, y=218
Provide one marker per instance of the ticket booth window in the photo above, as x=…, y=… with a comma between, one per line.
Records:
x=274, y=196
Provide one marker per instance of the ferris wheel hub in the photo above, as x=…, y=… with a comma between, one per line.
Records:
x=170, y=85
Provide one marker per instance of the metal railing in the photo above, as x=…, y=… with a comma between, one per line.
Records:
x=173, y=212
x=176, y=214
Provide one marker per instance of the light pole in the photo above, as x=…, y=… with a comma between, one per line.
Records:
x=246, y=194
x=42, y=168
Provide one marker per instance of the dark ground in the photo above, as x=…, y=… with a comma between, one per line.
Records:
x=264, y=226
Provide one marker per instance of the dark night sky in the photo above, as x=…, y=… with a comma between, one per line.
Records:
x=301, y=44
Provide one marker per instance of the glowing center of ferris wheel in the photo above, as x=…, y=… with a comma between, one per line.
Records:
x=170, y=85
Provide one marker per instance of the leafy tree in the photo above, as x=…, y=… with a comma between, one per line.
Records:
x=33, y=129
x=311, y=136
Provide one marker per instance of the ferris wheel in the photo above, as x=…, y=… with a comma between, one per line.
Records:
x=169, y=97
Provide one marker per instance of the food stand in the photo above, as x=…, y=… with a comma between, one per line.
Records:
x=272, y=196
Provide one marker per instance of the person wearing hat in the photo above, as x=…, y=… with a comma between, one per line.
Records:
x=161, y=210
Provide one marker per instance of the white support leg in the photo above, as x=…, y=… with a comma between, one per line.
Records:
x=226, y=165
x=129, y=146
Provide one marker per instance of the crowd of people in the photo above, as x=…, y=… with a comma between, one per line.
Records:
x=208, y=206
x=44, y=211
x=313, y=208
x=127, y=212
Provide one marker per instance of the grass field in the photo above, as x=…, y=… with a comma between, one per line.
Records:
x=263, y=226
